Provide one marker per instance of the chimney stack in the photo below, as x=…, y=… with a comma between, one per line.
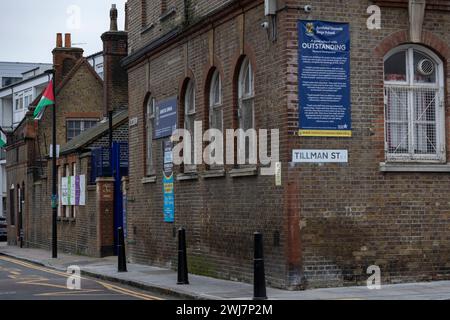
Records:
x=64, y=57
x=67, y=40
x=59, y=42
x=115, y=78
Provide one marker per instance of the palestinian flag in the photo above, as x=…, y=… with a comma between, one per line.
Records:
x=2, y=139
x=47, y=99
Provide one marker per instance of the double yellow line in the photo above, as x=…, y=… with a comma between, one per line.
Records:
x=108, y=286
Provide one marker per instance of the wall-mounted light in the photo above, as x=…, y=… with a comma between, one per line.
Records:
x=270, y=7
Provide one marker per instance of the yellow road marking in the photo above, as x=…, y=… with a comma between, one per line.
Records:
x=67, y=293
x=106, y=285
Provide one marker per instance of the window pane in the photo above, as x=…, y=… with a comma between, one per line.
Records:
x=149, y=146
x=397, y=104
x=395, y=67
x=89, y=124
x=425, y=104
x=216, y=119
x=190, y=98
x=397, y=120
x=425, y=139
x=425, y=121
x=247, y=114
x=424, y=68
x=216, y=90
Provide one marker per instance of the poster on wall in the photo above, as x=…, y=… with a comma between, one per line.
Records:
x=166, y=118
x=168, y=183
x=73, y=191
x=324, y=79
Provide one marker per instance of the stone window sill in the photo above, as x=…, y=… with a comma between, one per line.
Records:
x=244, y=172
x=414, y=167
x=167, y=14
x=147, y=180
x=187, y=176
x=147, y=28
x=213, y=173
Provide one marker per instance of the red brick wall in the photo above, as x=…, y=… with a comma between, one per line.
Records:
x=145, y=26
x=353, y=216
x=220, y=215
x=335, y=220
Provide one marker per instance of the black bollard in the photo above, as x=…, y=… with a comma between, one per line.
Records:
x=122, y=259
x=259, y=281
x=182, y=258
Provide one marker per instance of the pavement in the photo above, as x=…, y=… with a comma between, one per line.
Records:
x=163, y=281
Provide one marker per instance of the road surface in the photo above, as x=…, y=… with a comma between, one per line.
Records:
x=21, y=280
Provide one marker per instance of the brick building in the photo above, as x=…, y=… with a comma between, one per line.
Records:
x=84, y=100
x=326, y=223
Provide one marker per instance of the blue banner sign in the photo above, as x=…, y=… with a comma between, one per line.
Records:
x=324, y=79
x=169, y=199
x=166, y=118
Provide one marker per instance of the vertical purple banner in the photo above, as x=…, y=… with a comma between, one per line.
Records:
x=77, y=190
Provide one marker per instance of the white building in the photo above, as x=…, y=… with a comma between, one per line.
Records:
x=20, y=83
x=12, y=72
x=96, y=61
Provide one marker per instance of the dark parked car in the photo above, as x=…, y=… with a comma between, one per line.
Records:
x=2, y=229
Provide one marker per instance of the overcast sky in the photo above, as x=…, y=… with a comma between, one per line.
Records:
x=28, y=27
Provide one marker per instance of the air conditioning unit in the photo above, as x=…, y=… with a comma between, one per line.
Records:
x=270, y=7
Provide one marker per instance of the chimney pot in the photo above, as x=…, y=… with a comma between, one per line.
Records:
x=59, y=42
x=113, y=15
x=68, y=40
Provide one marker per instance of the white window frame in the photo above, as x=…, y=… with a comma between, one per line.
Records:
x=410, y=86
x=149, y=127
x=189, y=114
x=215, y=102
x=82, y=123
x=243, y=96
x=18, y=105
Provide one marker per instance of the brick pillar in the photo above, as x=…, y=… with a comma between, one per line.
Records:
x=105, y=216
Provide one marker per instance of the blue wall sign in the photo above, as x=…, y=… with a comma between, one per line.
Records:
x=166, y=118
x=324, y=79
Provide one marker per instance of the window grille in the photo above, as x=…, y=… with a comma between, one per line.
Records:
x=414, y=108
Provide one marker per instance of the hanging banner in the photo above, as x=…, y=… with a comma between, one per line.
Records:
x=324, y=79
x=73, y=191
x=166, y=118
x=168, y=183
x=169, y=199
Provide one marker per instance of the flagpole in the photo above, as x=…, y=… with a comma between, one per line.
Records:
x=54, y=177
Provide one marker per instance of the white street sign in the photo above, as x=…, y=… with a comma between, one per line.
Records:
x=319, y=156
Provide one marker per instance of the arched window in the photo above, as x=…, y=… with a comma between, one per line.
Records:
x=246, y=95
x=215, y=102
x=414, y=105
x=189, y=120
x=149, y=129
